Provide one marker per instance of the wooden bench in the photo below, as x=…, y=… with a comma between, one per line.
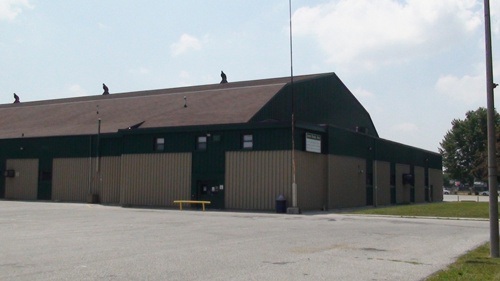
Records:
x=192, y=202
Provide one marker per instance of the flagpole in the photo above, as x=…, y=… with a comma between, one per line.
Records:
x=294, y=170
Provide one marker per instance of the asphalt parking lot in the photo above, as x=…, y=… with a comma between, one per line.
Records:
x=61, y=241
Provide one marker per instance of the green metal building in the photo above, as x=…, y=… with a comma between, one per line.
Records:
x=227, y=143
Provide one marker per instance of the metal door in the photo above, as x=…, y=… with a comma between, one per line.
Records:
x=210, y=190
x=44, y=179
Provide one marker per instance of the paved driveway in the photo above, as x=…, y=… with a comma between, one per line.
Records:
x=59, y=241
x=469, y=198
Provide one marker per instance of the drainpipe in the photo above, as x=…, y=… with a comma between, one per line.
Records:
x=98, y=168
x=90, y=165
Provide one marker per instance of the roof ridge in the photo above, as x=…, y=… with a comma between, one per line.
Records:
x=136, y=95
x=175, y=90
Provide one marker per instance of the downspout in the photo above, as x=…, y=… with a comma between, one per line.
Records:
x=90, y=165
x=98, y=166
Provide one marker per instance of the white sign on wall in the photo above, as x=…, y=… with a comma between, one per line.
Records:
x=313, y=143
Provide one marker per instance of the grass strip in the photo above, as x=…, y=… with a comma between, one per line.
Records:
x=475, y=265
x=443, y=209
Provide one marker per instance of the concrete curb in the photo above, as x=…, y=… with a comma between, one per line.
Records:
x=418, y=217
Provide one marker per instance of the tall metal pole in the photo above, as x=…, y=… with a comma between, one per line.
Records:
x=492, y=165
x=294, y=183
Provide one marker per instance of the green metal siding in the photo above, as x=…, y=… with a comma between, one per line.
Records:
x=208, y=166
x=348, y=143
x=335, y=141
x=110, y=145
x=400, y=153
x=323, y=100
x=174, y=142
x=231, y=140
x=77, y=146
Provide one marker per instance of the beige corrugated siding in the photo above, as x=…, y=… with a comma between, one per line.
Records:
x=111, y=176
x=383, y=182
x=25, y=185
x=312, y=180
x=254, y=179
x=402, y=191
x=155, y=179
x=346, y=182
x=70, y=179
x=436, y=180
x=419, y=185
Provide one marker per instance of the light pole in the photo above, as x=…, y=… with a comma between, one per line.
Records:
x=492, y=165
x=294, y=209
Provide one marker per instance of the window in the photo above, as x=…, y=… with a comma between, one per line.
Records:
x=247, y=141
x=159, y=144
x=201, y=143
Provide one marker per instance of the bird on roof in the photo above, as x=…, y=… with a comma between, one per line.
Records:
x=16, y=97
x=106, y=89
x=224, y=77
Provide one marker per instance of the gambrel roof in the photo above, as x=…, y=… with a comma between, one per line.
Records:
x=231, y=103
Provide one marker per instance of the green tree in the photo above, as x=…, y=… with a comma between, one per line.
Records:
x=480, y=170
x=464, y=147
x=446, y=180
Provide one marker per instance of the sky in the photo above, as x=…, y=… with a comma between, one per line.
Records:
x=415, y=65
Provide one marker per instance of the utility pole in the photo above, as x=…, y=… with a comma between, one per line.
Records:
x=492, y=165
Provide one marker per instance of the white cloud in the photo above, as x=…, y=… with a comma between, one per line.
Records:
x=405, y=127
x=467, y=89
x=186, y=42
x=368, y=33
x=10, y=9
x=76, y=90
